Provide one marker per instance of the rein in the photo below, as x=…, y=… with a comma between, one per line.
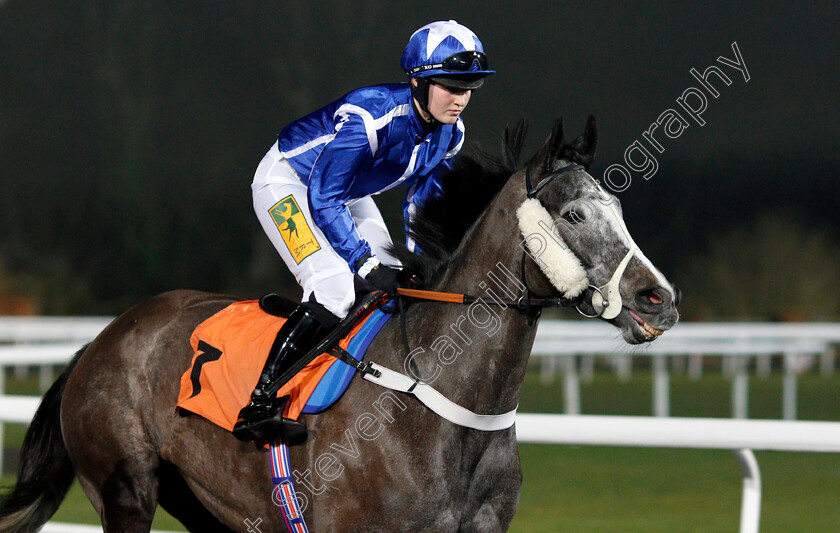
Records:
x=520, y=303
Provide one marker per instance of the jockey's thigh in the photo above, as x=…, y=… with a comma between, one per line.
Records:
x=318, y=269
x=371, y=227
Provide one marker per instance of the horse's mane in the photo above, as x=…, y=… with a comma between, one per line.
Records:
x=474, y=181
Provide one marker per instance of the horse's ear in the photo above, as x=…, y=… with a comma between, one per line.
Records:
x=585, y=146
x=553, y=147
x=512, y=142
x=590, y=135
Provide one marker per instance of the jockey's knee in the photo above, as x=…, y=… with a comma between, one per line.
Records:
x=332, y=291
x=326, y=317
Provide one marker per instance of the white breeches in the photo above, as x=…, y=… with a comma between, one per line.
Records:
x=288, y=223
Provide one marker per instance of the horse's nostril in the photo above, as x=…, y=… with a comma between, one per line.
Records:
x=677, y=296
x=650, y=297
x=654, y=298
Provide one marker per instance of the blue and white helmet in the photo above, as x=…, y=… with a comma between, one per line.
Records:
x=448, y=53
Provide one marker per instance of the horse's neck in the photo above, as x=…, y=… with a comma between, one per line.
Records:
x=488, y=375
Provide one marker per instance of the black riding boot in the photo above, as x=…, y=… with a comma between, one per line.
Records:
x=263, y=418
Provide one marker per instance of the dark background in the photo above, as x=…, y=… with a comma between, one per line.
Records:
x=130, y=131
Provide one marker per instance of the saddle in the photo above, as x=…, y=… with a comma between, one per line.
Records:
x=230, y=350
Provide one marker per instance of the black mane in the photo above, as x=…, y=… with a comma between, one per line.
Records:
x=477, y=177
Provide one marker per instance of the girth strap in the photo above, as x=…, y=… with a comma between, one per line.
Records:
x=437, y=402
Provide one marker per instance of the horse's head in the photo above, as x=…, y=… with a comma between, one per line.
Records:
x=576, y=234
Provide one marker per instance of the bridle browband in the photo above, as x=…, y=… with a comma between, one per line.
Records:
x=528, y=304
x=532, y=191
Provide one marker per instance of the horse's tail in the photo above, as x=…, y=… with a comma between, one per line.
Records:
x=45, y=472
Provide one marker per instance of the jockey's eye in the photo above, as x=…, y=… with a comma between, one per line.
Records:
x=574, y=217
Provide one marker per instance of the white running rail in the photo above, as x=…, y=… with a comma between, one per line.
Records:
x=740, y=436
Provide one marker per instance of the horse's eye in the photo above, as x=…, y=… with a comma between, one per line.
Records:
x=574, y=217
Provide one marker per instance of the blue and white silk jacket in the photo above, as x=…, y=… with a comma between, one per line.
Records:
x=364, y=143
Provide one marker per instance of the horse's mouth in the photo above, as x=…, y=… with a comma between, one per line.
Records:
x=647, y=330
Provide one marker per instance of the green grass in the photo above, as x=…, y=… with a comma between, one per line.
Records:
x=604, y=489
x=567, y=488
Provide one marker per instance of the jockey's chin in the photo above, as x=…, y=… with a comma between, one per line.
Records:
x=448, y=117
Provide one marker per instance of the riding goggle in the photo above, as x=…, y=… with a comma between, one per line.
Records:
x=460, y=62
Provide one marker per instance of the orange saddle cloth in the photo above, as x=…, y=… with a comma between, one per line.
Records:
x=231, y=348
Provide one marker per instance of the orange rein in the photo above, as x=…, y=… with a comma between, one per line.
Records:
x=523, y=303
x=449, y=297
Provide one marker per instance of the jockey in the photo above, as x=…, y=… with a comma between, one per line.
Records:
x=312, y=191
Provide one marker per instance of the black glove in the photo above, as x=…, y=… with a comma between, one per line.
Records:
x=382, y=277
x=385, y=278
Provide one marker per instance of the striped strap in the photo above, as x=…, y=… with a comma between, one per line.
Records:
x=285, y=496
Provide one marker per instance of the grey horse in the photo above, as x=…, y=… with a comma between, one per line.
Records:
x=377, y=460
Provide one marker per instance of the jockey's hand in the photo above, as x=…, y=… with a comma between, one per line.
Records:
x=380, y=276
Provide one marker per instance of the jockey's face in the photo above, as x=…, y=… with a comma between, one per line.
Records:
x=446, y=104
